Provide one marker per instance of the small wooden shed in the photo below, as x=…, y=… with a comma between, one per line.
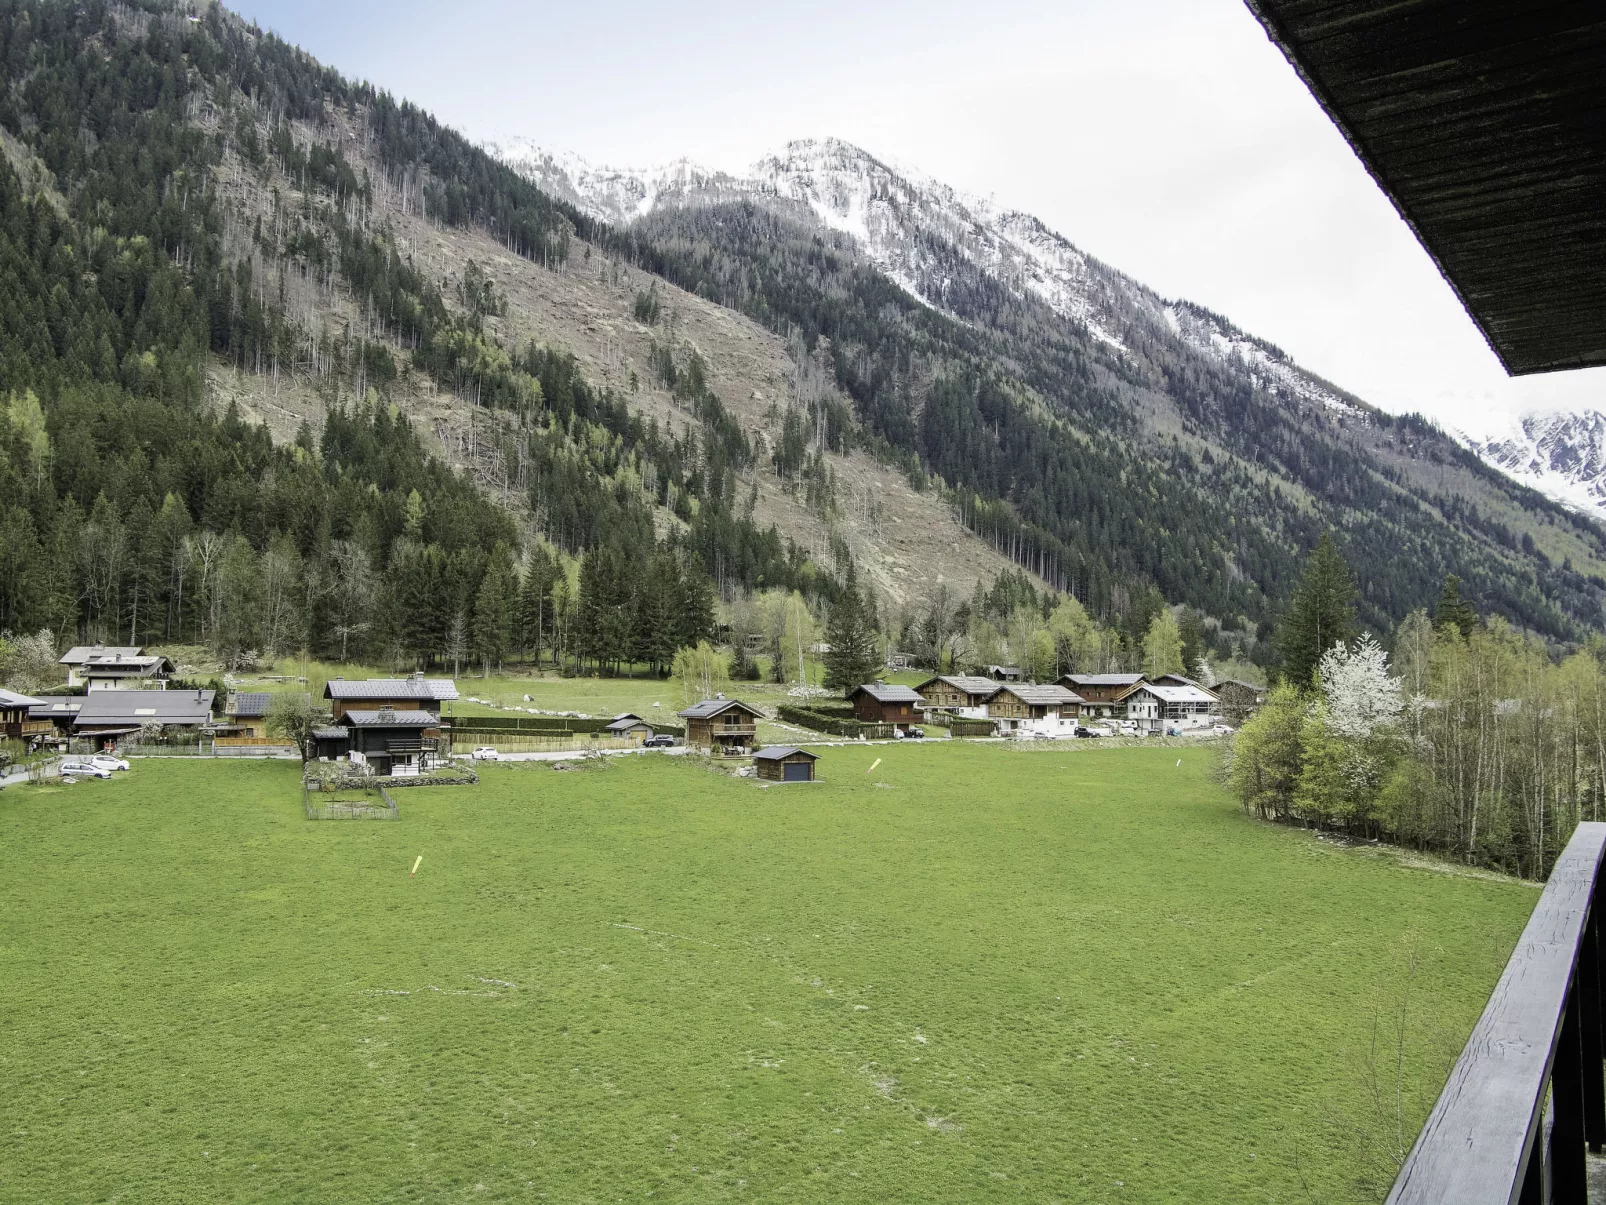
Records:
x=784, y=763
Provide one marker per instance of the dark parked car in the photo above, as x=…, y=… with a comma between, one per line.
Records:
x=661, y=741
x=1085, y=732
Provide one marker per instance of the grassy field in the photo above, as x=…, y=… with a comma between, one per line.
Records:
x=974, y=974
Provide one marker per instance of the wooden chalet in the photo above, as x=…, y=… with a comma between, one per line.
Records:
x=1153, y=707
x=1100, y=692
x=783, y=763
x=17, y=722
x=1004, y=673
x=962, y=695
x=1038, y=710
x=116, y=667
x=246, y=714
x=412, y=693
x=721, y=725
x=388, y=742
x=629, y=727
x=1239, y=699
x=896, y=705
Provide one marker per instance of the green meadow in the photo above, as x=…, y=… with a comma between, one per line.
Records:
x=975, y=973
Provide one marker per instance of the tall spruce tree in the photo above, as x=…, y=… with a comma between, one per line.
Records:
x=1454, y=611
x=850, y=630
x=1320, y=614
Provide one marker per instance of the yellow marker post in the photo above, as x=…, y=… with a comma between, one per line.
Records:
x=414, y=870
x=874, y=764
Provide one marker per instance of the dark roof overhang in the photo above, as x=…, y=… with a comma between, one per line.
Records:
x=1484, y=121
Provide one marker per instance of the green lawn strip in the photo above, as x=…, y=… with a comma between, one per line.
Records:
x=973, y=974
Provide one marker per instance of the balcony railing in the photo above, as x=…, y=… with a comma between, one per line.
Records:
x=1491, y=1137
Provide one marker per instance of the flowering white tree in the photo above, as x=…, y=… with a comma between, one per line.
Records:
x=1362, y=696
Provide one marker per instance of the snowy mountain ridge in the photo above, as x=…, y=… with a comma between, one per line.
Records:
x=911, y=226
x=892, y=213
x=1561, y=454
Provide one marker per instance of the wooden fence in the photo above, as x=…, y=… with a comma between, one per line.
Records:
x=557, y=725
x=319, y=808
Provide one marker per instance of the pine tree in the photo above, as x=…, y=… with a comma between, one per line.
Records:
x=850, y=630
x=1320, y=614
x=1454, y=611
x=493, y=608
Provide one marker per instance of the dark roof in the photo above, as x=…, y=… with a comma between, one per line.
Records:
x=627, y=720
x=51, y=707
x=387, y=718
x=1102, y=679
x=251, y=704
x=890, y=694
x=98, y=666
x=1040, y=696
x=782, y=752
x=436, y=689
x=330, y=734
x=1485, y=123
x=81, y=653
x=1238, y=682
x=970, y=684
x=709, y=708
x=10, y=698
x=103, y=708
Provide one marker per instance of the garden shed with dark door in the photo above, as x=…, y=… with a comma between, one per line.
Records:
x=783, y=763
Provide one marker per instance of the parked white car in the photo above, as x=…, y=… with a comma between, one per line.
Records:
x=107, y=762
x=83, y=769
x=485, y=753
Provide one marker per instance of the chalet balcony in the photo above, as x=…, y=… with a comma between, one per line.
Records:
x=1522, y=1120
x=27, y=730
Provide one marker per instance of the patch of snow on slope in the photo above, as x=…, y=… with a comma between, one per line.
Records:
x=1270, y=368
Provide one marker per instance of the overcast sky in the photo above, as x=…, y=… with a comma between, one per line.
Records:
x=1167, y=137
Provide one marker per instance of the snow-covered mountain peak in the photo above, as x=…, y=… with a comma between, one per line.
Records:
x=1562, y=454
x=936, y=242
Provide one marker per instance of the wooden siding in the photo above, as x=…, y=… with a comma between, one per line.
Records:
x=774, y=769
x=868, y=709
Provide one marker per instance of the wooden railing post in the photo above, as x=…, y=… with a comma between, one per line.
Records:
x=1491, y=1139
x=1589, y=1030
x=1568, y=1173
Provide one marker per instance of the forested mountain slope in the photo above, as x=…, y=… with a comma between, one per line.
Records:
x=1132, y=436
x=203, y=226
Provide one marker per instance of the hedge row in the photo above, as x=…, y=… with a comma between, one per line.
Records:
x=833, y=724
x=541, y=725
